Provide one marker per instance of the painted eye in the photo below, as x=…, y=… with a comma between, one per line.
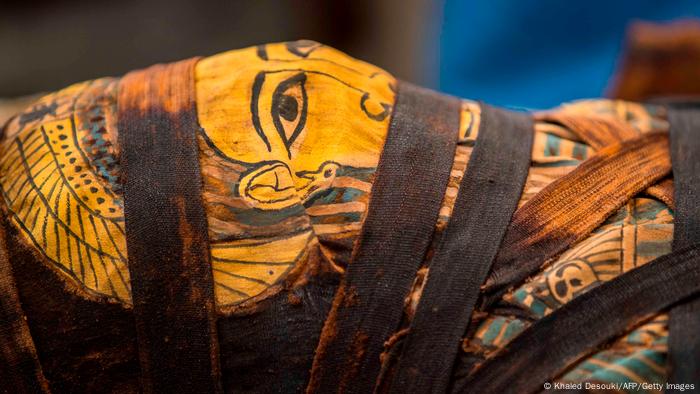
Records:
x=289, y=108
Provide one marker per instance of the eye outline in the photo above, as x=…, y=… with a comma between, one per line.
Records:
x=298, y=79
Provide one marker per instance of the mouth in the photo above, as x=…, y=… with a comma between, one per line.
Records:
x=269, y=187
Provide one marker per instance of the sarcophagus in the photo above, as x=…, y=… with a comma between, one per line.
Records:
x=284, y=218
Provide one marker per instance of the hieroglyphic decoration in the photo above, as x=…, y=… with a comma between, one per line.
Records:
x=639, y=232
x=291, y=136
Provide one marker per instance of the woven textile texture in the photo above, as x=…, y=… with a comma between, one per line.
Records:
x=288, y=139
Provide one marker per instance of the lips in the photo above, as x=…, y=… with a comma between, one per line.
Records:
x=270, y=184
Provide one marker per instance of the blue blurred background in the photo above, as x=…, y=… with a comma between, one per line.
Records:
x=537, y=54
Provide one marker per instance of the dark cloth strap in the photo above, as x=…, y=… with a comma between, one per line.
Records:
x=579, y=327
x=166, y=231
x=684, y=319
x=488, y=195
x=407, y=193
x=20, y=370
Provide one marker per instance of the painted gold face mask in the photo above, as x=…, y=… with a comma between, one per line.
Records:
x=290, y=137
x=293, y=133
x=300, y=112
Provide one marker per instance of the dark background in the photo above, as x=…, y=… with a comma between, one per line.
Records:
x=48, y=44
x=532, y=54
